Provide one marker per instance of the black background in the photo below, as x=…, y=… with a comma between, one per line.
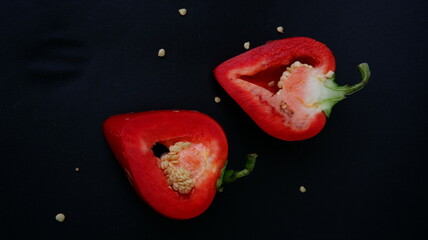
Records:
x=68, y=65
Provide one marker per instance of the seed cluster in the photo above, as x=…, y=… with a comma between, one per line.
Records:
x=283, y=106
x=177, y=177
x=289, y=70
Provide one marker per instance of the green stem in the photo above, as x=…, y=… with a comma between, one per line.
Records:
x=229, y=176
x=335, y=93
x=365, y=75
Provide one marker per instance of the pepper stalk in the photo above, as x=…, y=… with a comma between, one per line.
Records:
x=335, y=93
x=229, y=176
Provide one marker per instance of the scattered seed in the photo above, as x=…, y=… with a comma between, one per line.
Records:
x=302, y=189
x=217, y=99
x=161, y=52
x=247, y=45
x=271, y=84
x=60, y=217
x=329, y=74
x=280, y=29
x=182, y=11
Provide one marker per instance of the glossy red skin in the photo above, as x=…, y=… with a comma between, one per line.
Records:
x=131, y=137
x=275, y=54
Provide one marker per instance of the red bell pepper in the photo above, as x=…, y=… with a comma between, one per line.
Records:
x=182, y=182
x=286, y=86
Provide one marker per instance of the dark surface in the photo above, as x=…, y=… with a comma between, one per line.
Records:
x=68, y=65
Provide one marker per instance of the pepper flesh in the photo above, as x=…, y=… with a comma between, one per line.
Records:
x=286, y=86
x=131, y=138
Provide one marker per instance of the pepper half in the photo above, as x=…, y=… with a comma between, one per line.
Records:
x=286, y=86
x=182, y=182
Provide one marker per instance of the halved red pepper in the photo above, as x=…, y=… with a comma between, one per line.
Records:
x=286, y=86
x=182, y=182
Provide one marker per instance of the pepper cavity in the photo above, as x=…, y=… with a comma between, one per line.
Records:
x=178, y=177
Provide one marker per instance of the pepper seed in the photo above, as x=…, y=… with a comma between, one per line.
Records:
x=182, y=11
x=161, y=52
x=60, y=217
x=247, y=45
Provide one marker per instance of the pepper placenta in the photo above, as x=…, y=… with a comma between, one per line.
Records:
x=182, y=182
x=286, y=86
